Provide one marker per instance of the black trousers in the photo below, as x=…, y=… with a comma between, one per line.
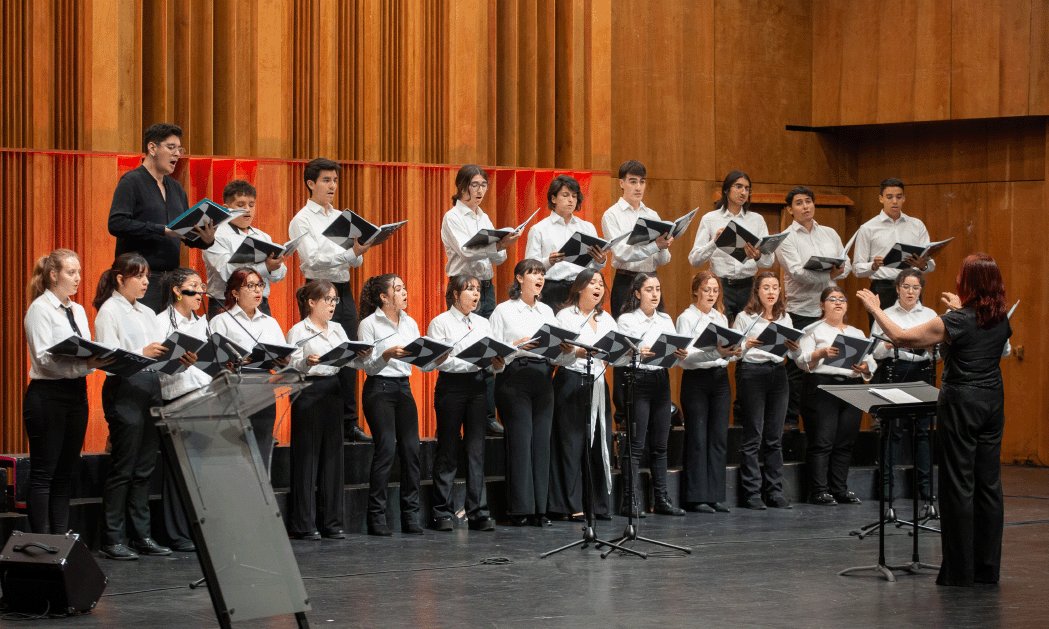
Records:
x=525, y=397
x=795, y=374
x=154, y=297
x=908, y=371
x=735, y=294
x=568, y=442
x=830, y=437
x=763, y=399
x=346, y=315
x=262, y=426
x=651, y=419
x=620, y=291
x=706, y=401
x=969, y=429
x=389, y=409
x=173, y=527
x=886, y=292
x=316, y=496
x=134, y=437
x=460, y=403
x=55, y=414
x=215, y=307
x=555, y=293
x=485, y=308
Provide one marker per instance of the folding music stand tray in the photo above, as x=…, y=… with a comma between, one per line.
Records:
x=240, y=537
x=859, y=396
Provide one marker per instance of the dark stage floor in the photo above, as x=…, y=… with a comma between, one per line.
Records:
x=748, y=569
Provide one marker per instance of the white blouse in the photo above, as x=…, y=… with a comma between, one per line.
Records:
x=191, y=378
x=328, y=339
x=46, y=323
x=635, y=324
x=251, y=331
x=918, y=315
x=125, y=325
x=822, y=335
x=462, y=331
x=756, y=355
x=514, y=320
x=692, y=322
x=377, y=326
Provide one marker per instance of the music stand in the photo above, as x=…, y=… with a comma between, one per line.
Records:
x=236, y=525
x=590, y=528
x=859, y=396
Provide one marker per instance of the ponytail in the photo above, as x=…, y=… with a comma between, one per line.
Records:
x=41, y=280
x=126, y=265
x=314, y=290
x=372, y=292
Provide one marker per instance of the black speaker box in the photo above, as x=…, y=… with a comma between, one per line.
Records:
x=53, y=574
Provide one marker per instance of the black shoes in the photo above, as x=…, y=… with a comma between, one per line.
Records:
x=754, y=502
x=309, y=535
x=443, y=524
x=146, y=546
x=720, y=507
x=823, y=500
x=119, y=552
x=663, y=506
x=495, y=429
x=334, y=534
x=519, y=520
x=540, y=521
x=699, y=507
x=847, y=498
x=779, y=502
x=482, y=524
x=184, y=546
x=356, y=434
x=411, y=528
x=380, y=530
x=604, y=517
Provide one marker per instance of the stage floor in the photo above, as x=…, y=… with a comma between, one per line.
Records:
x=747, y=569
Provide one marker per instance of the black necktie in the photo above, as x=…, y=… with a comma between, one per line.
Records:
x=72, y=320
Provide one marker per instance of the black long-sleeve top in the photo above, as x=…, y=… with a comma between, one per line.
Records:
x=139, y=214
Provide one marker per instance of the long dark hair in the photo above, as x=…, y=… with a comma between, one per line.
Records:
x=41, y=280
x=632, y=302
x=464, y=177
x=981, y=287
x=700, y=279
x=754, y=305
x=727, y=185
x=456, y=285
x=236, y=281
x=579, y=285
x=126, y=265
x=528, y=265
x=314, y=290
x=372, y=292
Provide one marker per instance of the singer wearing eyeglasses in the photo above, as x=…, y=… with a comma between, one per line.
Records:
x=244, y=323
x=54, y=409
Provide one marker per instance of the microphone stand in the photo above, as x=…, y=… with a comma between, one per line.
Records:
x=630, y=531
x=590, y=527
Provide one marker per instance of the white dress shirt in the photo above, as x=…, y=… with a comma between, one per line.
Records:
x=377, y=326
x=822, y=335
x=125, y=325
x=878, y=235
x=635, y=324
x=619, y=219
x=319, y=257
x=801, y=287
x=459, y=225
x=216, y=260
x=548, y=236
x=571, y=318
x=514, y=320
x=328, y=339
x=260, y=328
x=918, y=315
x=191, y=378
x=46, y=323
x=692, y=322
x=462, y=331
x=743, y=320
x=722, y=264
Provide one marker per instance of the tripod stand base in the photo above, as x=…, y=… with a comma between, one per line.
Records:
x=630, y=535
x=883, y=570
x=914, y=566
x=590, y=537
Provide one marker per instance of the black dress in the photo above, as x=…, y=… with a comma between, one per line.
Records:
x=971, y=415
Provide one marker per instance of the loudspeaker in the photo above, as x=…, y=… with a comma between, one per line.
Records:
x=49, y=574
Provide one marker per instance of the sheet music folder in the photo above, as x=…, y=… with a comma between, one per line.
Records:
x=859, y=395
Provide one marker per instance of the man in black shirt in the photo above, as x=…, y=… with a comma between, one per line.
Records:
x=146, y=201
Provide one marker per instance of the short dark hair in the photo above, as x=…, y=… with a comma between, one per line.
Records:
x=632, y=167
x=891, y=182
x=316, y=167
x=796, y=190
x=158, y=133
x=528, y=265
x=564, y=181
x=238, y=188
x=464, y=177
x=727, y=185
x=456, y=285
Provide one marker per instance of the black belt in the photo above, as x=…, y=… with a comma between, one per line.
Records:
x=397, y=379
x=316, y=377
x=485, y=283
x=528, y=360
x=746, y=281
x=460, y=376
x=883, y=282
x=824, y=378
x=626, y=273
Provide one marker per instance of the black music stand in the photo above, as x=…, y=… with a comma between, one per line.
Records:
x=590, y=527
x=860, y=396
x=241, y=541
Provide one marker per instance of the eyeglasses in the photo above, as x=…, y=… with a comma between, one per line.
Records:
x=478, y=185
x=190, y=293
x=331, y=301
x=254, y=286
x=176, y=149
x=837, y=300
